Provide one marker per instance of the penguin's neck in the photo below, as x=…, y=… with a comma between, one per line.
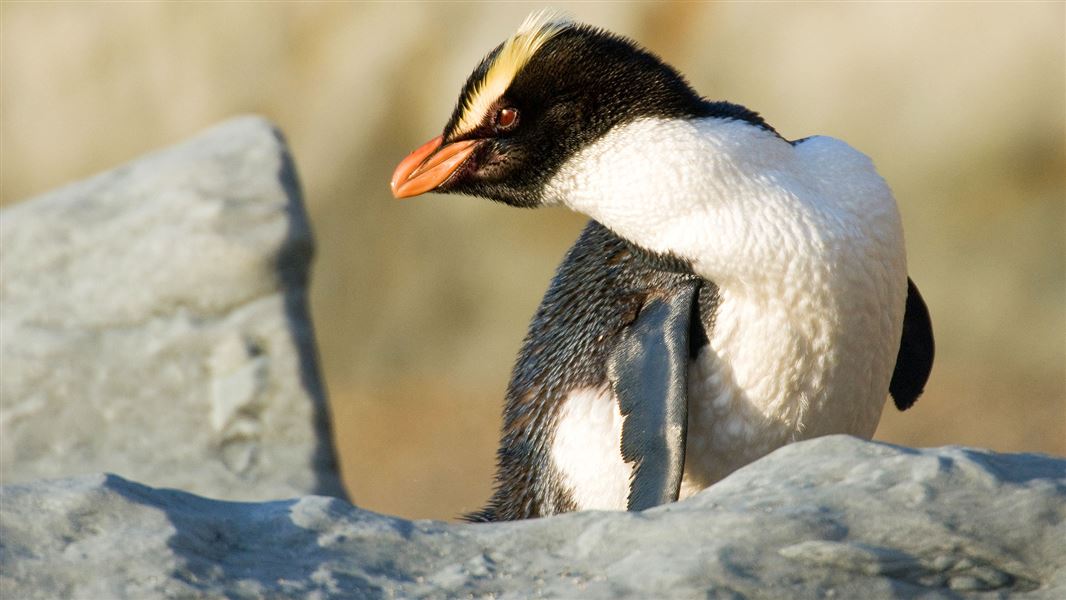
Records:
x=803, y=241
x=658, y=261
x=716, y=193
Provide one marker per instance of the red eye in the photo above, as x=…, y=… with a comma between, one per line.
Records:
x=506, y=118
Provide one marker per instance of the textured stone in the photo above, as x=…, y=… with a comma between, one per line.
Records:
x=155, y=325
x=831, y=517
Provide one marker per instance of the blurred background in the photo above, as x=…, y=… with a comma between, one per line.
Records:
x=421, y=305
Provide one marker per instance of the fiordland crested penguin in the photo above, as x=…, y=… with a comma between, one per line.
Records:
x=735, y=292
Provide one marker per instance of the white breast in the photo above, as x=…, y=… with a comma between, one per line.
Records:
x=806, y=246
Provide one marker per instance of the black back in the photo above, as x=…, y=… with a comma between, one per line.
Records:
x=598, y=291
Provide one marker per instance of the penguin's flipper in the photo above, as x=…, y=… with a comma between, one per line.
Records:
x=915, y=359
x=648, y=370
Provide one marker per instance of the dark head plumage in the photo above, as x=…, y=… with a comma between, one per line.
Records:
x=536, y=99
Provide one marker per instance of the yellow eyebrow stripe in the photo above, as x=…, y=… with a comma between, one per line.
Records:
x=535, y=31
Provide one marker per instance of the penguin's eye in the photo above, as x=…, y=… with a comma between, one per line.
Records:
x=506, y=119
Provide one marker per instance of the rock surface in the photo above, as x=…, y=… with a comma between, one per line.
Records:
x=830, y=517
x=155, y=325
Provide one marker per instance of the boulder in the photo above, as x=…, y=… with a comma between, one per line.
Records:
x=155, y=325
x=831, y=517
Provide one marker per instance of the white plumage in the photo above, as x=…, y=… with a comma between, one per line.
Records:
x=585, y=450
x=806, y=246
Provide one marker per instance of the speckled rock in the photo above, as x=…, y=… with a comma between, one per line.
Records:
x=155, y=325
x=831, y=517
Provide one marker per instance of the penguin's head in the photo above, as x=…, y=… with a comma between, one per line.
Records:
x=534, y=102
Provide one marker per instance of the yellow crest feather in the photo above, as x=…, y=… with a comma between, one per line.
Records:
x=535, y=31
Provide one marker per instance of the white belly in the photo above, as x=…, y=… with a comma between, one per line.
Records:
x=770, y=375
x=792, y=366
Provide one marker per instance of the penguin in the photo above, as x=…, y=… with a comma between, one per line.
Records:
x=734, y=291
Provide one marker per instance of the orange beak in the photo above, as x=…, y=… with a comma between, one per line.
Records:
x=429, y=166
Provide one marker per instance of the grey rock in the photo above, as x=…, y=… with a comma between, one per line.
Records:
x=155, y=325
x=831, y=517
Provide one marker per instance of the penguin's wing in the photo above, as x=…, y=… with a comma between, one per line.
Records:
x=648, y=371
x=915, y=358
